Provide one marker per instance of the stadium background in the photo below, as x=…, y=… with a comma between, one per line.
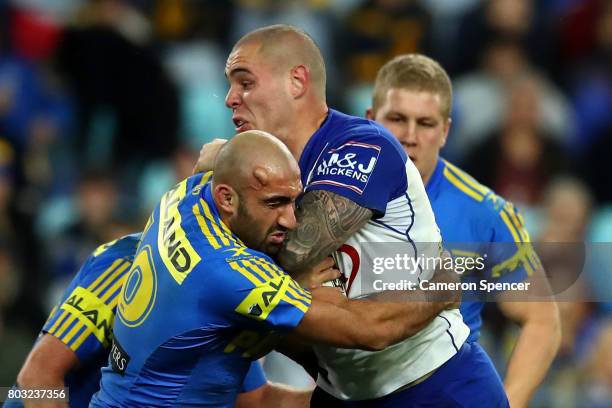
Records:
x=104, y=105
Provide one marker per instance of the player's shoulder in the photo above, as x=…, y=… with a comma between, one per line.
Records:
x=352, y=128
x=110, y=259
x=120, y=247
x=471, y=193
x=239, y=263
x=477, y=200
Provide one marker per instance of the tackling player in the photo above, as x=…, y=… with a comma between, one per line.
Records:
x=359, y=187
x=75, y=341
x=412, y=98
x=202, y=299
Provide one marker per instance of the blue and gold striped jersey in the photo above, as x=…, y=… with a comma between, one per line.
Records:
x=197, y=307
x=83, y=319
x=472, y=220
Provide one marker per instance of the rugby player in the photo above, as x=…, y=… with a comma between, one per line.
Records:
x=74, y=342
x=412, y=98
x=202, y=299
x=359, y=188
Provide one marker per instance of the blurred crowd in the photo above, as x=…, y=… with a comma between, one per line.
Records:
x=105, y=103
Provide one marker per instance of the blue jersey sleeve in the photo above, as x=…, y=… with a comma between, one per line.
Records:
x=256, y=292
x=254, y=378
x=84, y=318
x=369, y=169
x=512, y=258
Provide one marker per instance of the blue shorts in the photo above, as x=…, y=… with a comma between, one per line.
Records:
x=467, y=380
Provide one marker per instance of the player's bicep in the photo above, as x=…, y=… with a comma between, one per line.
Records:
x=263, y=295
x=84, y=321
x=326, y=220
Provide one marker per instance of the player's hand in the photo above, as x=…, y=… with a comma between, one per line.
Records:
x=323, y=272
x=208, y=154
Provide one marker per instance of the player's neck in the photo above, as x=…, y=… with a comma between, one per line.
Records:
x=428, y=172
x=304, y=128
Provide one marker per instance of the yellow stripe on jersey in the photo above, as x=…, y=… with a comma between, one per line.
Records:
x=269, y=267
x=466, y=254
x=105, y=274
x=204, y=227
x=294, y=289
x=521, y=256
x=246, y=273
x=462, y=186
x=150, y=222
x=263, y=298
x=510, y=226
x=467, y=179
x=75, y=329
x=103, y=247
x=297, y=292
x=174, y=248
x=299, y=305
x=63, y=328
x=113, y=289
x=225, y=238
x=60, y=317
x=205, y=177
x=77, y=343
x=518, y=223
x=112, y=277
x=259, y=272
x=91, y=311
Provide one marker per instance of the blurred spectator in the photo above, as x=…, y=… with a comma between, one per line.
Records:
x=159, y=177
x=109, y=72
x=97, y=203
x=515, y=19
x=446, y=19
x=519, y=159
x=8, y=282
x=591, y=83
x=22, y=266
x=371, y=35
x=377, y=31
x=596, y=382
x=481, y=98
x=567, y=205
x=190, y=20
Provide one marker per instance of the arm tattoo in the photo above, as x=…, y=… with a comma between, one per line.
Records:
x=325, y=221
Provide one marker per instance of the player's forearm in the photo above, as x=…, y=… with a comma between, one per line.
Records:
x=325, y=221
x=533, y=354
x=392, y=322
x=39, y=379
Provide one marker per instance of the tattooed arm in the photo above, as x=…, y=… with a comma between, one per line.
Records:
x=325, y=221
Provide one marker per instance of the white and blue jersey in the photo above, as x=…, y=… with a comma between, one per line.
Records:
x=475, y=221
x=360, y=160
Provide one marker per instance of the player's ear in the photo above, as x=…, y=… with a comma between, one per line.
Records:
x=447, y=126
x=300, y=81
x=369, y=114
x=226, y=198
